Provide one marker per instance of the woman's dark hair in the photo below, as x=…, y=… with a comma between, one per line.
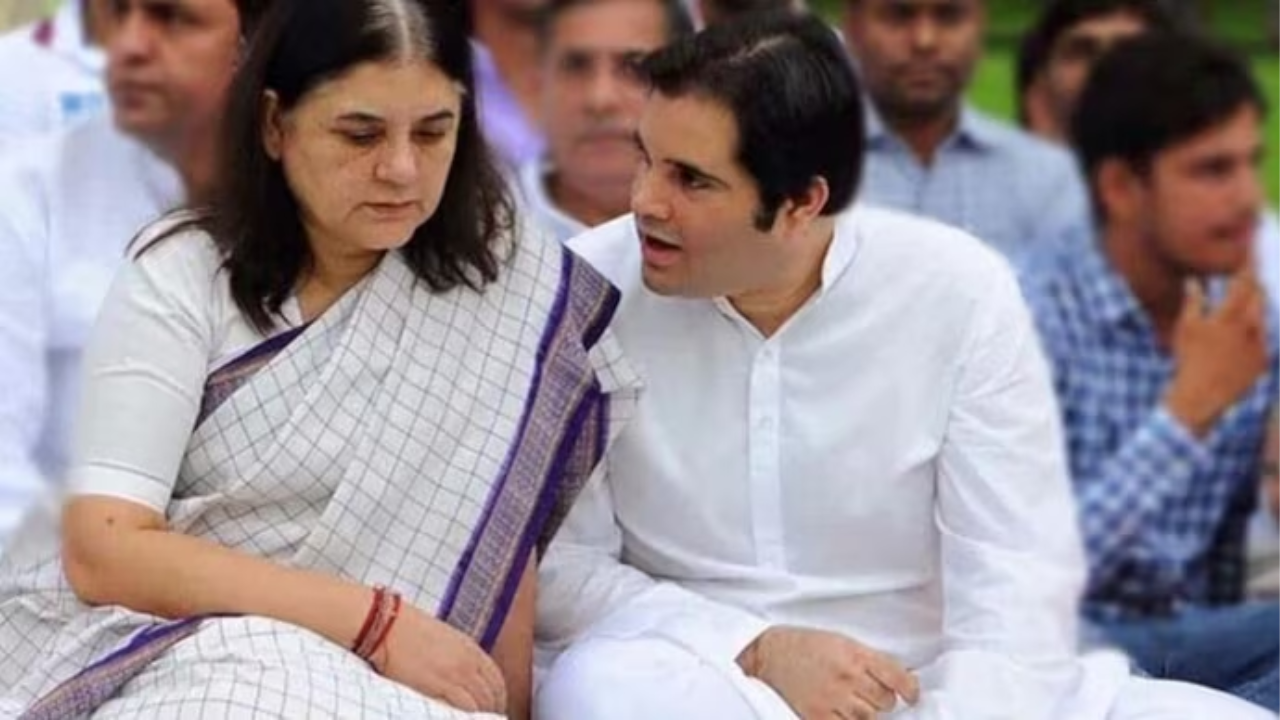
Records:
x=791, y=88
x=253, y=216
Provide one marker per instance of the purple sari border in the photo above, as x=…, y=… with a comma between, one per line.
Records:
x=541, y=512
x=487, y=576
x=223, y=382
x=86, y=690
x=149, y=634
x=557, y=315
x=271, y=345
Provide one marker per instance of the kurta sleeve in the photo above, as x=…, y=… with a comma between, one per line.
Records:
x=585, y=588
x=1012, y=560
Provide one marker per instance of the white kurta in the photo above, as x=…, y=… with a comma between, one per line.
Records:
x=888, y=465
x=69, y=206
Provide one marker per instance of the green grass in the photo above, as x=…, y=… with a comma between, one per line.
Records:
x=992, y=91
x=1241, y=22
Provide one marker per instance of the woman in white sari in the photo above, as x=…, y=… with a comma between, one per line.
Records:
x=330, y=420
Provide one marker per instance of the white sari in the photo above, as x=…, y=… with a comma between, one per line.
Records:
x=429, y=442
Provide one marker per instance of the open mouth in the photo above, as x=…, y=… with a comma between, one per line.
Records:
x=657, y=251
x=658, y=243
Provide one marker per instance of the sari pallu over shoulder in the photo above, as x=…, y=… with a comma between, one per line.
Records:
x=429, y=442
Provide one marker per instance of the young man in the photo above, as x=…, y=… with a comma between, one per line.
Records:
x=1164, y=355
x=1054, y=63
x=1060, y=50
x=931, y=154
x=70, y=205
x=592, y=95
x=843, y=488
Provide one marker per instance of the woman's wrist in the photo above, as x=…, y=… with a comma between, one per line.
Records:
x=384, y=609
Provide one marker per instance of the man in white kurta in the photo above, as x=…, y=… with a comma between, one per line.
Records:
x=883, y=465
x=69, y=205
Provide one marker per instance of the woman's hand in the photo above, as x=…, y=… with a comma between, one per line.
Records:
x=436, y=660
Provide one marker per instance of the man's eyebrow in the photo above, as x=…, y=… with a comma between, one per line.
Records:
x=681, y=165
x=694, y=170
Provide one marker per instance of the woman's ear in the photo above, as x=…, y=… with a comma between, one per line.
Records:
x=272, y=125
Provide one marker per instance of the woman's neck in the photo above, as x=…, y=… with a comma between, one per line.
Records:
x=331, y=274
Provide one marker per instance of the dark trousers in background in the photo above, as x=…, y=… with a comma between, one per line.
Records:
x=1235, y=649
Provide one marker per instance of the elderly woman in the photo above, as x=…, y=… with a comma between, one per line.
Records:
x=329, y=420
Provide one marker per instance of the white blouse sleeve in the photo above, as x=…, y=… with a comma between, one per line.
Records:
x=144, y=373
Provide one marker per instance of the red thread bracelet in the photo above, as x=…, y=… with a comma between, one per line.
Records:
x=386, y=629
x=374, y=610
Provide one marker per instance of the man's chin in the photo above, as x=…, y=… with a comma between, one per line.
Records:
x=660, y=283
x=920, y=107
x=1217, y=264
x=139, y=124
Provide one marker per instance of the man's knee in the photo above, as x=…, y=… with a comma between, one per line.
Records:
x=635, y=679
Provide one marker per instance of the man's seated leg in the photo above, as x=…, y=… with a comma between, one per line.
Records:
x=1145, y=699
x=1235, y=649
x=649, y=677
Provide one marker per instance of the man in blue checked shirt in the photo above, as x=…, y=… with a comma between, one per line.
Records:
x=1165, y=360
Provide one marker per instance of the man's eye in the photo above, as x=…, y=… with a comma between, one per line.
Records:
x=691, y=180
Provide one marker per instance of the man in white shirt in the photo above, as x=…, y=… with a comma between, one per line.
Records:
x=843, y=492
x=51, y=73
x=69, y=207
x=591, y=99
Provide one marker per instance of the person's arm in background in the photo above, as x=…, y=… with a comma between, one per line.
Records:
x=24, y=248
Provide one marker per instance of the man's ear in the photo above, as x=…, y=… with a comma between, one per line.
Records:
x=1038, y=113
x=799, y=211
x=1120, y=189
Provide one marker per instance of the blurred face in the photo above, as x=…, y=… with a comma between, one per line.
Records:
x=169, y=63
x=1198, y=206
x=915, y=57
x=368, y=153
x=592, y=95
x=97, y=20
x=695, y=205
x=1074, y=54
